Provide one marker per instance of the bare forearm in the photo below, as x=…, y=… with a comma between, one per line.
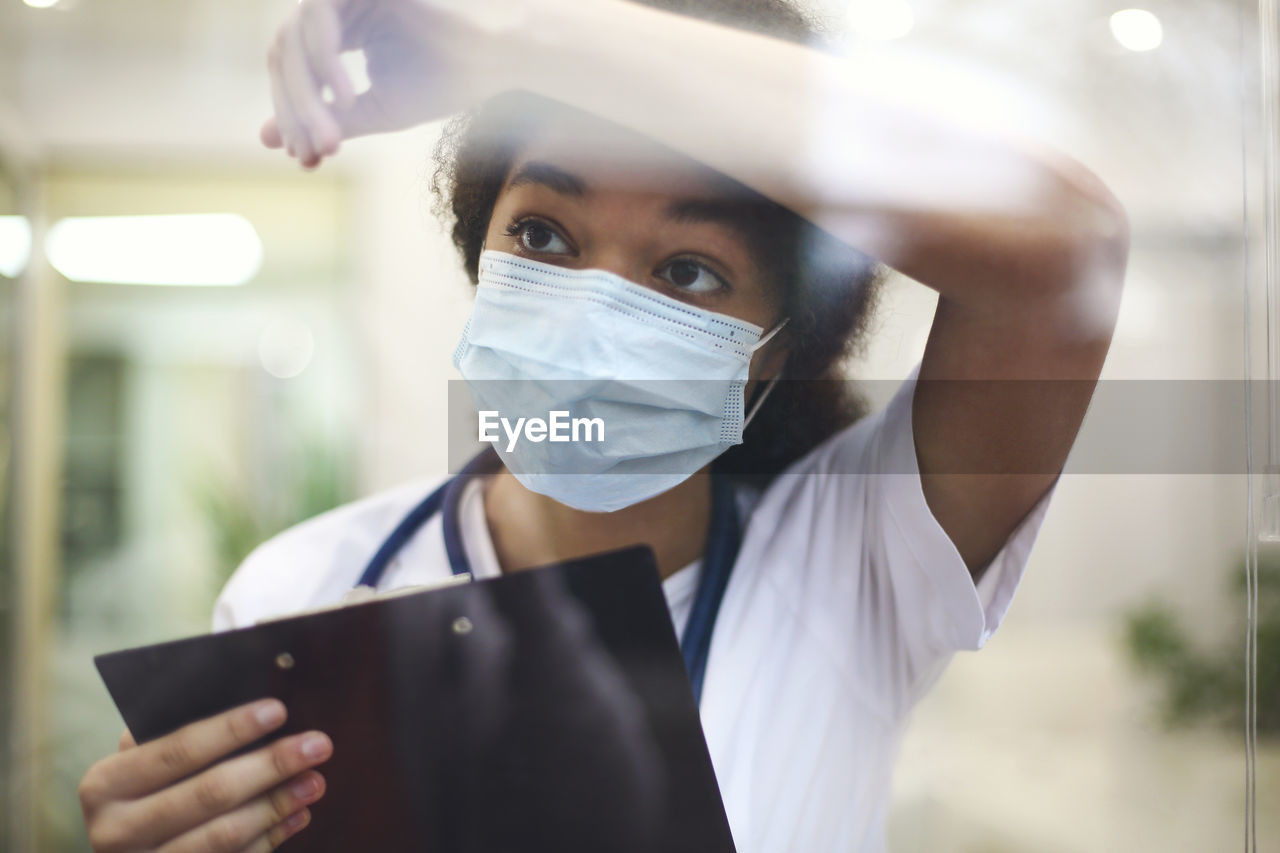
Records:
x=975, y=214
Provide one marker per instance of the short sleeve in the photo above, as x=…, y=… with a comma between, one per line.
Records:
x=929, y=576
x=845, y=546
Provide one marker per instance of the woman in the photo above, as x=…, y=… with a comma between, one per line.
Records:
x=737, y=181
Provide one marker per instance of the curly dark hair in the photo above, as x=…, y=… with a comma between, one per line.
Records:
x=827, y=288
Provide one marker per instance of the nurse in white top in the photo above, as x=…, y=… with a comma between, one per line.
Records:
x=694, y=185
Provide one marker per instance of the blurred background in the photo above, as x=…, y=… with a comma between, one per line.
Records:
x=200, y=344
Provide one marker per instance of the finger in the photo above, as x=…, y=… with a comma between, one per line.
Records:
x=255, y=820
x=223, y=787
x=281, y=832
x=286, y=123
x=126, y=741
x=295, y=81
x=270, y=134
x=303, y=90
x=163, y=761
x=322, y=38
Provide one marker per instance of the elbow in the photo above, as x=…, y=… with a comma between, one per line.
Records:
x=1093, y=230
x=1086, y=283
x=1068, y=260
x=1074, y=239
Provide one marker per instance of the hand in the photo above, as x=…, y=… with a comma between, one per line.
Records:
x=425, y=60
x=176, y=794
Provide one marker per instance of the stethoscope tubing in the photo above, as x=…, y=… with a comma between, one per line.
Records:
x=723, y=540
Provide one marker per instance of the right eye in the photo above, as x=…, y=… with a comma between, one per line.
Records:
x=537, y=236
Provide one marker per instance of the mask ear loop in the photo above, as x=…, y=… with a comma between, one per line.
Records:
x=768, y=336
x=760, y=398
x=764, y=395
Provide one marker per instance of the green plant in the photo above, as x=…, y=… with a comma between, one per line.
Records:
x=1200, y=684
x=311, y=480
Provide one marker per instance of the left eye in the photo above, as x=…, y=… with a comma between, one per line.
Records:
x=691, y=277
x=537, y=237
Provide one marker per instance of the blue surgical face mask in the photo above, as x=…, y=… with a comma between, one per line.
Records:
x=662, y=381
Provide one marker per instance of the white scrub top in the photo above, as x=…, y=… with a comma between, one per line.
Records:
x=846, y=603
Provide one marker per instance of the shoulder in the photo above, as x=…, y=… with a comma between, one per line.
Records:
x=314, y=562
x=879, y=443
x=825, y=525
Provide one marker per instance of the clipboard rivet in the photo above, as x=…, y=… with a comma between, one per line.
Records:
x=462, y=625
x=284, y=660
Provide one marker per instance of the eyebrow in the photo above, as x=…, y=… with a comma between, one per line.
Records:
x=551, y=177
x=729, y=213
x=684, y=211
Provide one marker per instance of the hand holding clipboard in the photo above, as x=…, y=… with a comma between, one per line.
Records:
x=179, y=791
x=545, y=710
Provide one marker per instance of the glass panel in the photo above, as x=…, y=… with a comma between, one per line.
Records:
x=192, y=423
x=199, y=421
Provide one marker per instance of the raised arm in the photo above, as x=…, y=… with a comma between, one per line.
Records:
x=1025, y=247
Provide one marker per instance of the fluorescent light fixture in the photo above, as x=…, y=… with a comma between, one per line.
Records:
x=1137, y=29
x=202, y=249
x=881, y=20
x=41, y=4
x=15, y=245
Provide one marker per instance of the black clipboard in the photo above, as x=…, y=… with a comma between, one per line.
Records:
x=545, y=710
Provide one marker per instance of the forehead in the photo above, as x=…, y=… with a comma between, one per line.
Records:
x=608, y=158
x=623, y=176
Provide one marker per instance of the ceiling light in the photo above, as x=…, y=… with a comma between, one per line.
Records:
x=882, y=20
x=15, y=245
x=203, y=249
x=1137, y=29
x=40, y=4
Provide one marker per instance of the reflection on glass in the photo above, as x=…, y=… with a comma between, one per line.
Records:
x=15, y=244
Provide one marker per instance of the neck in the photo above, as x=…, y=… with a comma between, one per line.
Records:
x=529, y=529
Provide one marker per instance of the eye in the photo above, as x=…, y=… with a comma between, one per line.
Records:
x=692, y=277
x=537, y=236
